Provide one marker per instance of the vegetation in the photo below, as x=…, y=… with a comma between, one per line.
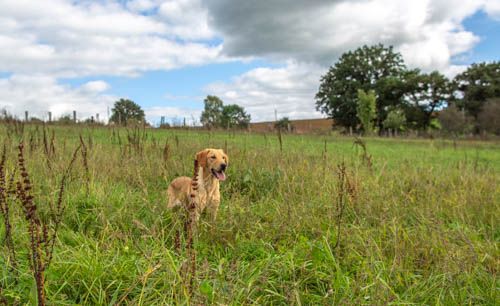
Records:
x=126, y=112
x=319, y=223
x=374, y=68
x=367, y=110
x=284, y=124
x=421, y=96
x=395, y=120
x=218, y=115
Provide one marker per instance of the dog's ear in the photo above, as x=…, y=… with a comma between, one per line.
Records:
x=202, y=158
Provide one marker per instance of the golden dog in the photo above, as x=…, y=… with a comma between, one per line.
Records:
x=211, y=166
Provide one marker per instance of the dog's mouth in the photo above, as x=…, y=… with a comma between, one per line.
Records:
x=220, y=175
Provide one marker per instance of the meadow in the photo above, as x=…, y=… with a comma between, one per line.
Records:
x=319, y=221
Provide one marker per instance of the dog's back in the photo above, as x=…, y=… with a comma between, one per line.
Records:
x=178, y=191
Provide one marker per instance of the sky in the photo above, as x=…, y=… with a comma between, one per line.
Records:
x=167, y=56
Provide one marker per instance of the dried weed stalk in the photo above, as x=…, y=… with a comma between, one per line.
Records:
x=5, y=210
x=42, y=234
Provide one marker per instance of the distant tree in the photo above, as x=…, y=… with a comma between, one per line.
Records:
x=375, y=68
x=476, y=85
x=366, y=109
x=283, y=124
x=234, y=116
x=489, y=117
x=395, y=120
x=65, y=119
x=211, y=115
x=126, y=111
x=216, y=114
x=454, y=121
x=426, y=94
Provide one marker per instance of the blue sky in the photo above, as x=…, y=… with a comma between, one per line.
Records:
x=488, y=30
x=167, y=55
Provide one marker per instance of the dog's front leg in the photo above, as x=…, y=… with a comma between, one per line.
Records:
x=213, y=206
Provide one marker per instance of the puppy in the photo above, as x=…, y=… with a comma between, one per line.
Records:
x=212, y=164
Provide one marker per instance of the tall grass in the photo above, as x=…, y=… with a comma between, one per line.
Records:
x=313, y=224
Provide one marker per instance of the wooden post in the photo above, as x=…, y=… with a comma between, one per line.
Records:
x=97, y=117
x=26, y=116
x=74, y=116
x=50, y=116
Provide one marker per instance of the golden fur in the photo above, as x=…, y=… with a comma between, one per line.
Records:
x=212, y=164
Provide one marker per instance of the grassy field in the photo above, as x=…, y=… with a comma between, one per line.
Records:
x=318, y=223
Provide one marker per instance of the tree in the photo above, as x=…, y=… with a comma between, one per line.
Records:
x=427, y=93
x=366, y=109
x=126, y=111
x=283, y=124
x=368, y=68
x=395, y=120
x=489, y=117
x=234, y=116
x=454, y=121
x=211, y=115
x=216, y=114
x=476, y=85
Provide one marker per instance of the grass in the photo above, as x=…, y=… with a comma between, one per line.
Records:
x=419, y=225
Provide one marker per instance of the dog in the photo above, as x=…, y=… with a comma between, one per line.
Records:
x=212, y=164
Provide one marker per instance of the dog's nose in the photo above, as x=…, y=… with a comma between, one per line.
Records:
x=223, y=167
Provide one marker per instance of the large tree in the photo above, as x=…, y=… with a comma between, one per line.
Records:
x=375, y=68
x=126, y=111
x=479, y=83
x=211, y=115
x=426, y=94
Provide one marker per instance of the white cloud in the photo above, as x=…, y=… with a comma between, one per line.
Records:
x=290, y=90
x=95, y=86
x=492, y=8
x=40, y=94
x=64, y=38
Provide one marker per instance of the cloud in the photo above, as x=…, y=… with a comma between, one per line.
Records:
x=289, y=89
x=428, y=32
x=68, y=39
x=40, y=94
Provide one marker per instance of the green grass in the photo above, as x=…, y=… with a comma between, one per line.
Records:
x=420, y=226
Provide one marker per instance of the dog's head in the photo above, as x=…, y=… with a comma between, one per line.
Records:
x=213, y=161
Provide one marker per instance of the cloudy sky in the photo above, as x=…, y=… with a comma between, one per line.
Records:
x=60, y=56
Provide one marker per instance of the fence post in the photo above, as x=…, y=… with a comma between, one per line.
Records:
x=26, y=116
x=74, y=116
x=50, y=117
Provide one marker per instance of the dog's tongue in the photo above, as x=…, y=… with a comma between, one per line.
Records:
x=221, y=176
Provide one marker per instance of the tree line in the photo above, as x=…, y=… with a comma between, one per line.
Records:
x=371, y=89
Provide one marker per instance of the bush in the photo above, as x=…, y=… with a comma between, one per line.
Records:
x=454, y=121
x=489, y=118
